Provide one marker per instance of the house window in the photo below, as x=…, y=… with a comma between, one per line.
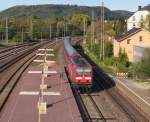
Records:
x=142, y=17
x=133, y=18
x=141, y=38
x=133, y=25
x=128, y=41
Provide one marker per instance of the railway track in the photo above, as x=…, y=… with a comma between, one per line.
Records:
x=123, y=103
x=21, y=64
x=9, y=48
x=8, y=61
x=88, y=108
x=93, y=109
x=14, y=51
x=107, y=89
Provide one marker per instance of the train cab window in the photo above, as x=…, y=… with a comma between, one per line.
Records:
x=79, y=71
x=87, y=71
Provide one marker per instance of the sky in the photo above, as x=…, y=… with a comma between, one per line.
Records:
x=130, y=5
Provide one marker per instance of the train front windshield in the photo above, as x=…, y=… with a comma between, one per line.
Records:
x=83, y=71
x=79, y=71
x=87, y=71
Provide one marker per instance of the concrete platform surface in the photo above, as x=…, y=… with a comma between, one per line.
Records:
x=24, y=108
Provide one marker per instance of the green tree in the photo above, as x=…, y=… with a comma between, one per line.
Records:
x=147, y=22
x=122, y=61
x=108, y=49
x=78, y=20
x=109, y=29
x=120, y=26
x=143, y=68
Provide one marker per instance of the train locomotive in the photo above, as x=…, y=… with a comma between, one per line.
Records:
x=79, y=70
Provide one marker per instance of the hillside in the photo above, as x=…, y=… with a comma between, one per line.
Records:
x=60, y=10
x=146, y=7
x=126, y=14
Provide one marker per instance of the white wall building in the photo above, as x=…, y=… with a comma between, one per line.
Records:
x=136, y=18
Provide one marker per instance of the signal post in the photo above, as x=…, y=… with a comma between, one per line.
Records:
x=42, y=105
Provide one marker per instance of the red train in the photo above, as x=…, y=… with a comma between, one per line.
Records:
x=79, y=70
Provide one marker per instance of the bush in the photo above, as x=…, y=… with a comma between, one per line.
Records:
x=122, y=68
x=143, y=67
x=110, y=61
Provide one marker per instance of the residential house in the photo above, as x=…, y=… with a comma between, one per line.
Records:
x=135, y=21
x=133, y=43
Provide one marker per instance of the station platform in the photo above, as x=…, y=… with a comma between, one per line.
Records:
x=24, y=108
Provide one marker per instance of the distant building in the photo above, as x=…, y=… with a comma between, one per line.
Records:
x=133, y=43
x=135, y=21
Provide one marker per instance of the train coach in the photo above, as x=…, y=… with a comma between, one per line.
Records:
x=79, y=70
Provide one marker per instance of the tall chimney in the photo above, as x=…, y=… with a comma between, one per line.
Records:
x=139, y=8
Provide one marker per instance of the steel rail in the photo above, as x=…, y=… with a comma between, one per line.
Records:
x=6, y=90
x=122, y=102
x=101, y=116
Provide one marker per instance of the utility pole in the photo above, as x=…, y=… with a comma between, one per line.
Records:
x=57, y=30
x=103, y=33
x=92, y=30
x=84, y=41
x=6, y=30
x=22, y=36
x=102, y=42
x=41, y=37
x=64, y=29
x=57, y=33
x=50, y=34
x=31, y=27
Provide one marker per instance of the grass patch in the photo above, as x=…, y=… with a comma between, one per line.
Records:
x=10, y=42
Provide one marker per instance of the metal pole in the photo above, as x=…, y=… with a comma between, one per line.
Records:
x=41, y=98
x=39, y=115
x=41, y=37
x=50, y=29
x=6, y=30
x=31, y=28
x=64, y=29
x=84, y=41
x=22, y=35
x=103, y=31
x=39, y=119
x=93, y=28
x=57, y=29
x=102, y=53
x=57, y=33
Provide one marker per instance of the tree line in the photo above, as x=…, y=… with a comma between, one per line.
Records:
x=33, y=27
